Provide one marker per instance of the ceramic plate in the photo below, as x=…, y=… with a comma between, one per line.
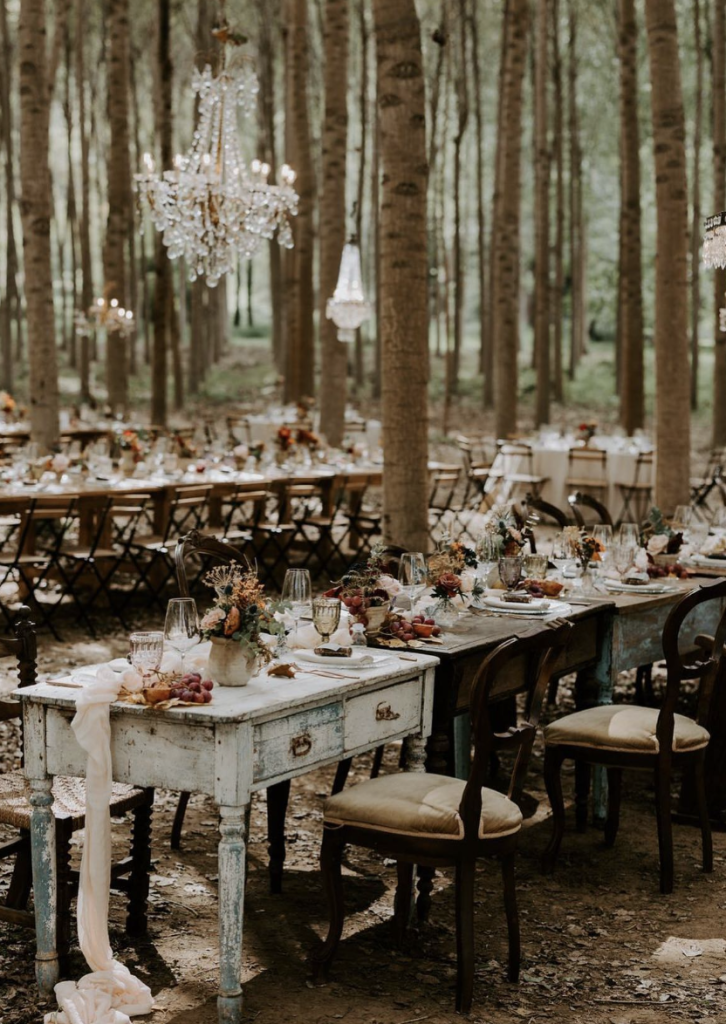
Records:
x=537, y=606
x=639, y=588
x=358, y=659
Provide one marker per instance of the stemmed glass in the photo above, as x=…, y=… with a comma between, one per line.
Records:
x=682, y=518
x=146, y=651
x=623, y=555
x=181, y=628
x=412, y=574
x=487, y=555
x=297, y=592
x=629, y=534
x=510, y=572
x=563, y=553
x=326, y=616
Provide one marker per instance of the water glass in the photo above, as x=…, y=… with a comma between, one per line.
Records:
x=297, y=592
x=629, y=534
x=623, y=556
x=326, y=616
x=535, y=566
x=564, y=553
x=412, y=574
x=181, y=627
x=682, y=518
x=510, y=571
x=146, y=651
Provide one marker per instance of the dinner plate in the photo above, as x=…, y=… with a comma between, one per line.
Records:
x=538, y=605
x=639, y=588
x=708, y=560
x=357, y=659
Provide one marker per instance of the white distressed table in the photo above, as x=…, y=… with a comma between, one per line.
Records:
x=246, y=739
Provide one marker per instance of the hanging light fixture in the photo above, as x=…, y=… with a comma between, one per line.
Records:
x=106, y=314
x=211, y=208
x=714, y=242
x=348, y=308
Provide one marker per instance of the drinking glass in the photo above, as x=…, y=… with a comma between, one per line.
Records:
x=297, y=592
x=629, y=534
x=412, y=575
x=181, y=627
x=682, y=518
x=146, y=651
x=326, y=616
x=697, y=535
x=510, y=571
x=563, y=554
x=603, y=534
x=487, y=554
x=535, y=566
x=623, y=555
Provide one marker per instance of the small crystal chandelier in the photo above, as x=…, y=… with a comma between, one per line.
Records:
x=211, y=208
x=104, y=314
x=348, y=308
x=714, y=242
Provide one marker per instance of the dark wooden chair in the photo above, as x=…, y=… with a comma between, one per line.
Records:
x=582, y=498
x=130, y=875
x=533, y=503
x=439, y=821
x=625, y=736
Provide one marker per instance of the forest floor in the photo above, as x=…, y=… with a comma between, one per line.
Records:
x=599, y=944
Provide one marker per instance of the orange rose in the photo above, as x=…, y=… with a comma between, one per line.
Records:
x=231, y=623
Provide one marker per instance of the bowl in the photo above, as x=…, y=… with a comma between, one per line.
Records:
x=422, y=629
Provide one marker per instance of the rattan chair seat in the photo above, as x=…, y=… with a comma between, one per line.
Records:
x=69, y=799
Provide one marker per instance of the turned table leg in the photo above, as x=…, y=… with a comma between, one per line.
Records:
x=45, y=883
x=232, y=851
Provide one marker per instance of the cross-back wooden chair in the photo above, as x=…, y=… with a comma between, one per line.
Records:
x=582, y=498
x=439, y=821
x=130, y=875
x=533, y=503
x=621, y=737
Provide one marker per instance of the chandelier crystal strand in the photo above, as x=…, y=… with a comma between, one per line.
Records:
x=211, y=208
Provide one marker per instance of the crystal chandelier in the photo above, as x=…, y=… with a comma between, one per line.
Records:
x=104, y=314
x=348, y=308
x=211, y=208
x=714, y=242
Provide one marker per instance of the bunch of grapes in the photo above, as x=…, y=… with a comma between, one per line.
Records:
x=657, y=572
x=402, y=629
x=192, y=689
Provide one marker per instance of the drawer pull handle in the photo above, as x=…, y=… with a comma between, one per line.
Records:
x=301, y=745
x=384, y=713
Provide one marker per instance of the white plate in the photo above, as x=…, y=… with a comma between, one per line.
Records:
x=718, y=560
x=639, y=588
x=358, y=659
x=538, y=605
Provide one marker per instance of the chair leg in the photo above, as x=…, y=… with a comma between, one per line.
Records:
x=331, y=856
x=465, y=871
x=176, y=828
x=615, y=780
x=553, y=783
x=665, y=828
x=136, y=922
x=341, y=775
x=21, y=880
x=402, y=902
x=277, y=798
x=510, y=907
x=702, y=804
x=377, y=761
x=582, y=794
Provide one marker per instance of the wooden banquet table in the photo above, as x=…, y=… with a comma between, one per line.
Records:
x=246, y=739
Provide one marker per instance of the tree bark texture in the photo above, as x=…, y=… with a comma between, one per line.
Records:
x=12, y=306
x=403, y=273
x=719, y=203
x=484, y=318
x=541, y=220
x=558, y=283
x=164, y=283
x=462, y=119
x=577, y=310
x=334, y=353
x=696, y=226
x=672, y=421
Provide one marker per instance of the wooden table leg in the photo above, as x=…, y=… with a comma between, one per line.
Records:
x=277, y=798
x=232, y=851
x=594, y=687
x=45, y=883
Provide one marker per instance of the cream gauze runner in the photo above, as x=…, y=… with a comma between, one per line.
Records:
x=110, y=994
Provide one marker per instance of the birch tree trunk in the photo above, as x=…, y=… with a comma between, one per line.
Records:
x=269, y=16
x=334, y=354
x=630, y=327
x=541, y=220
x=164, y=283
x=115, y=266
x=35, y=209
x=462, y=119
x=84, y=225
x=506, y=234
x=673, y=413
x=484, y=318
x=719, y=203
x=575, y=197
x=559, y=241
x=696, y=227
x=403, y=272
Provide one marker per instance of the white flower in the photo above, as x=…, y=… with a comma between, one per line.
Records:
x=389, y=584
x=641, y=559
x=658, y=543
x=60, y=463
x=213, y=617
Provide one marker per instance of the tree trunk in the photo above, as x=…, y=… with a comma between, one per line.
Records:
x=576, y=297
x=719, y=203
x=673, y=414
x=696, y=227
x=164, y=283
x=484, y=318
x=84, y=226
x=35, y=208
x=115, y=267
x=559, y=243
x=462, y=113
x=403, y=272
x=359, y=362
x=630, y=327
x=334, y=353
x=542, y=220
x=71, y=209
x=506, y=237
x=12, y=308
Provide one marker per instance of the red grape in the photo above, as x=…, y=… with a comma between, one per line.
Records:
x=208, y=684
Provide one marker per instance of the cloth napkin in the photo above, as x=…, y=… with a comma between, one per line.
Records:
x=194, y=661
x=110, y=994
x=307, y=637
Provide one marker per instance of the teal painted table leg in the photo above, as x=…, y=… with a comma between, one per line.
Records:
x=232, y=849
x=45, y=883
x=594, y=687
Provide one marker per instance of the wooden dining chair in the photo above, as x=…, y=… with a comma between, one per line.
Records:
x=581, y=499
x=533, y=503
x=439, y=821
x=130, y=875
x=621, y=737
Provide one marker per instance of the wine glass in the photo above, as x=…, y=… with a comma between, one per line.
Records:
x=487, y=554
x=682, y=518
x=181, y=627
x=563, y=553
x=510, y=571
x=412, y=574
x=297, y=592
x=623, y=555
x=326, y=616
x=629, y=534
x=146, y=651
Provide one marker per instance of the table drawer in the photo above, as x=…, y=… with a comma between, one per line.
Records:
x=373, y=717
x=308, y=737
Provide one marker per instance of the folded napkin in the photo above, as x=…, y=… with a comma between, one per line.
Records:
x=307, y=637
x=110, y=994
x=194, y=661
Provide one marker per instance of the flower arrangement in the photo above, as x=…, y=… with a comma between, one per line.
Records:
x=366, y=586
x=7, y=403
x=256, y=451
x=131, y=441
x=658, y=537
x=587, y=548
x=502, y=525
x=447, y=586
x=307, y=438
x=184, y=448
x=587, y=430
x=240, y=611
x=284, y=439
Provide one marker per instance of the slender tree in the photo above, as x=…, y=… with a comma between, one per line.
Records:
x=484, y=318
x=696, y=226
x=35, y=209
x=558, y=282
x=84, y=225
x=719, y=203
x=164, y=281
x=672, y=424
x=506, y=228
x=577, y=313
x=269, y=17
x=334, y=354
x=403, y=270
x=462, y=120
x=542, y=218
x=630, y=326
x=12, y=306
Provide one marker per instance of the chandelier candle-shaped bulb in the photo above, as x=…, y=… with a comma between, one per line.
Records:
x=348, y=308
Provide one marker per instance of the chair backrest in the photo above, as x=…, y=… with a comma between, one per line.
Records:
x=23, y=647
x=581, y=498
x=196, y=543
x=536, y=504
x=519, y=665
x=710, y=669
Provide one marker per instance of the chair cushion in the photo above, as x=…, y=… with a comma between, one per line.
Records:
x=626, y=728
x=419, y=804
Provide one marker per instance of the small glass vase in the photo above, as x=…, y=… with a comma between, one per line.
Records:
x=445, y=612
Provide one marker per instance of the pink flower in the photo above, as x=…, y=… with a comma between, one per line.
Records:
x=213, y=617
x=657, y=544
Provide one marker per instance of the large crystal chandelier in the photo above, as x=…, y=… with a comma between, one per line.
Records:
x=211, y=208
x=714, y=242
x=348, y=307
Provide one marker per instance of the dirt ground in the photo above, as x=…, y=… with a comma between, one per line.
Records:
x=599, y=944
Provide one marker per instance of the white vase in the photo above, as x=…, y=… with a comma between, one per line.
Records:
x=230, y=664
x=376, y=617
